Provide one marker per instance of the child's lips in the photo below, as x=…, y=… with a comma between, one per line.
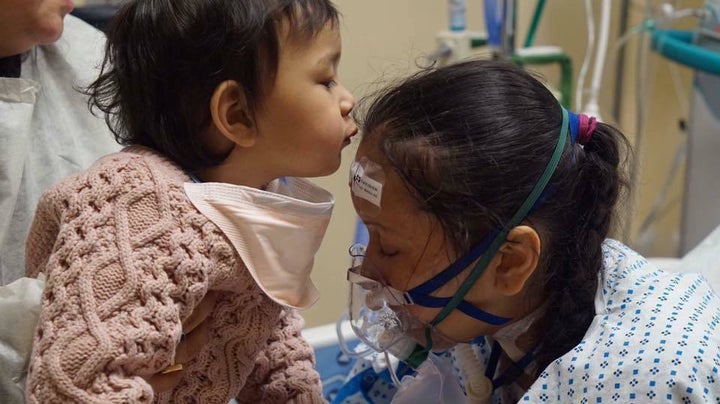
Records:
x=348, y=138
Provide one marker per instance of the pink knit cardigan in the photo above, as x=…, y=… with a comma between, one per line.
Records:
x=128, y=258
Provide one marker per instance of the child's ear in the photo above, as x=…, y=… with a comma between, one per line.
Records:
x=231, y=115
x=516, y=260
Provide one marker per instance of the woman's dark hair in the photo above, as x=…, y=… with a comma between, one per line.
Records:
x=471, y=140
x=164, y=59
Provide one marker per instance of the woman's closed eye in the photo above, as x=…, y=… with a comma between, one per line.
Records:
x=388, y=252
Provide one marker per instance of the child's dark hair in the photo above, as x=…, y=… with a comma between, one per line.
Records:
x=164, y=58
x=471, y=140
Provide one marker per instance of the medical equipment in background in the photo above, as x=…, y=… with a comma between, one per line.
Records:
x=591, y=106
x=701, y=212
x=529, y=54
x=458, y=43
x=698, y=49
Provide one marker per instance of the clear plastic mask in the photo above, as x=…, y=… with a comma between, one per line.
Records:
x=379, y=316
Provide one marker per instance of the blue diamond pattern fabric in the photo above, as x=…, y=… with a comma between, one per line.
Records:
x=655, y=338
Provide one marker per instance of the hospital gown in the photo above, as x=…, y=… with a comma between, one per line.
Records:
x=654, y=338
x=46, y=131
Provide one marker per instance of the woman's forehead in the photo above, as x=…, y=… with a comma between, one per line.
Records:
x=396, y=204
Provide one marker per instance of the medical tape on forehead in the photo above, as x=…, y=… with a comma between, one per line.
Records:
x=366, y=180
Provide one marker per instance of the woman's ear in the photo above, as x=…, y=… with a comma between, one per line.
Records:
x=516, y=260
x=231, y=115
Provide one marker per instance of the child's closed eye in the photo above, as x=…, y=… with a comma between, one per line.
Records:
x=329, y=83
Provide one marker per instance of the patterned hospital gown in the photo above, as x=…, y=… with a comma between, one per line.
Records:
x=655, y=338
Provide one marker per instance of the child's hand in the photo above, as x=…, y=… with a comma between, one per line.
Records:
x=196, y=333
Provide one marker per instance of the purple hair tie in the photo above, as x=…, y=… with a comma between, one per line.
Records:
x=587, y=125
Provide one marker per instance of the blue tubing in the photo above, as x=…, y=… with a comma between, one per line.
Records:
x=677, y=46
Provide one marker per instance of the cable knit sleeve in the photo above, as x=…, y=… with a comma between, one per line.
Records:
x=42, y=234
x=284, y=371
x=121, y=274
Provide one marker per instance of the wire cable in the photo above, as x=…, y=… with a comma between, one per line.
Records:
x=580, y=89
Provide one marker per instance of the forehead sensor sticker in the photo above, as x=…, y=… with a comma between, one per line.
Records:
x=366, y=180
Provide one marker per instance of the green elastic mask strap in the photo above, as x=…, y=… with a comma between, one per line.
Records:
x=516, y=220
x=420, y=353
